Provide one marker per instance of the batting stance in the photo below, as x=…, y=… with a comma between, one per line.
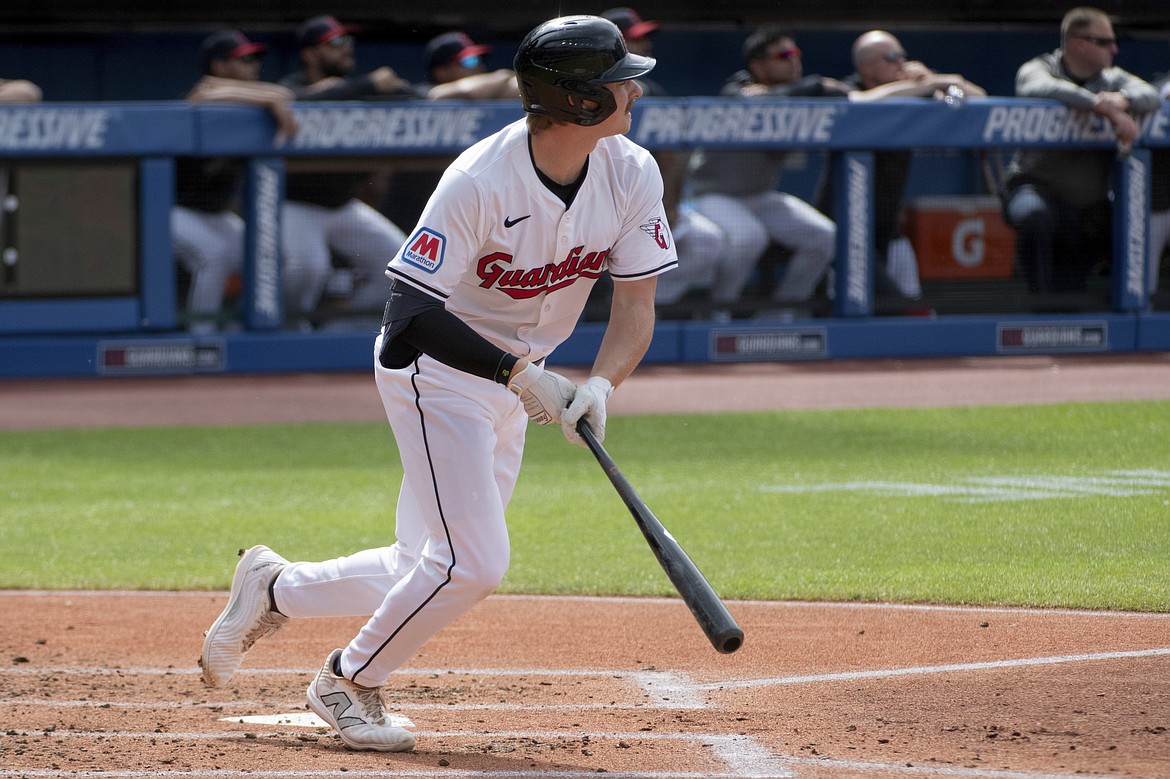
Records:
x=493, y=278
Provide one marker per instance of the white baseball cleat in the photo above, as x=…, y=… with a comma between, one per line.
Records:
x=357, y=713
x=246, y=618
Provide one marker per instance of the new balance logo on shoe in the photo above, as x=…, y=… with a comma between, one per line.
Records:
x=357, y=713
x=339, y=703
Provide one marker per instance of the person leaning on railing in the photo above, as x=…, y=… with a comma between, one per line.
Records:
x=698, y=240
x=883, y=71
x=206, y=232
x=1159, y=199
x=326, y=214
x=1058, y=199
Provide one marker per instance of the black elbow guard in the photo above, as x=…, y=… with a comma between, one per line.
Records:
x=402, y=306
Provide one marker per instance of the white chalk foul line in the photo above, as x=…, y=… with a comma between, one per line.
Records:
x=304, y=719
x=745, y=758
x=1002, y=488
x=157, y=705
x=935, y=669
x=427, y=773
x=671, y=690
x=664, y=690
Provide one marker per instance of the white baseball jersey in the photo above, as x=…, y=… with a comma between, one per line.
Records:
x=505, y=255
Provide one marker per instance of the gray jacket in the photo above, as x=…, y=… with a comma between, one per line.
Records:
x=1079, y=177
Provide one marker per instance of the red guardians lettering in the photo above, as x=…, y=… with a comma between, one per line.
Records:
x=521, y=283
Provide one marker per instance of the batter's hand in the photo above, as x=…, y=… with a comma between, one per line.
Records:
x=545, y=394
x=589, y=402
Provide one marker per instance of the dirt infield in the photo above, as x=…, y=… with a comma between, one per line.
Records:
x=106, y=684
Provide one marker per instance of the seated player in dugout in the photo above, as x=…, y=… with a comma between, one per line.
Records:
x=457, y=70
x=335, y=243
x=207, y=232
x=883, y=70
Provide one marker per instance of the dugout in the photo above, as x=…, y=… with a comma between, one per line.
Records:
x=136, y=328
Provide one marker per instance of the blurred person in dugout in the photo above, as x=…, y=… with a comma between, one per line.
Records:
x=882, y=71
x=698, y=241
x=456, y=68
x=16, y=90
x=1159, y=198
x=1058, y=200
x=738, y=189
x=327, y=218
x=206, y=231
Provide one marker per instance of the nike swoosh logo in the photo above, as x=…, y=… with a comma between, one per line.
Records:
x=510, y=222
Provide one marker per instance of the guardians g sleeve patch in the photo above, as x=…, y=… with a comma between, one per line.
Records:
x=656, y=230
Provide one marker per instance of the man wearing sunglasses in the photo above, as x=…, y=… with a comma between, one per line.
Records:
x=882, y=71
x=326, y=50
x=457, y=69
x=455, y=64
x=1058, y=199
x=738, y=190
x=326, y=216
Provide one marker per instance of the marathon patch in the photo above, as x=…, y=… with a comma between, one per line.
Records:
x=425, y=250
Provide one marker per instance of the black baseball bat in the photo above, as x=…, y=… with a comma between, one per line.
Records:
x=717, y=623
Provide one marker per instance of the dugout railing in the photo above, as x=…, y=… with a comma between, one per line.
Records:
x=89, y=282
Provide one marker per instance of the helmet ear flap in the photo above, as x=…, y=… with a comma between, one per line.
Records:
x=582, y=94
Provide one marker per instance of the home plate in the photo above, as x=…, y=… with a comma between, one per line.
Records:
x=305, y=719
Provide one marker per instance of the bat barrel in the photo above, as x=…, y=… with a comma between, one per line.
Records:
x=708, y=610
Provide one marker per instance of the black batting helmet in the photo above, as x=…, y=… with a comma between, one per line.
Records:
x=574, y=56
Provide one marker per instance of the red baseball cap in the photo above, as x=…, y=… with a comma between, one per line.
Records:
x=321, y=29
x=451, y=47
x=228, y=44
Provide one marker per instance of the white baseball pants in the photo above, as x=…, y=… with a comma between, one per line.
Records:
x=355, y=231
x=211, y=247
x=460, y=439
x=1159, y=240
x=750, y=221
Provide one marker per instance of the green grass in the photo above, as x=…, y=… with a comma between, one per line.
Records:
x=167, y=508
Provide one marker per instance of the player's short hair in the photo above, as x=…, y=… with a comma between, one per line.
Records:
x=537, y=123
x=1077, y=20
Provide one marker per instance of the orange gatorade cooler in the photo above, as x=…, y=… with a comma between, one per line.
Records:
x=960, y=237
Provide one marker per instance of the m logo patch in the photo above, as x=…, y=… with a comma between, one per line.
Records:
x=655, y=229
x=425, y=249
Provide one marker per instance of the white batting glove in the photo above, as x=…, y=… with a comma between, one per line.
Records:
x=545, y=394
x=589, y=402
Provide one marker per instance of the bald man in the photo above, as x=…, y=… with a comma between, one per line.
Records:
x=882, y=71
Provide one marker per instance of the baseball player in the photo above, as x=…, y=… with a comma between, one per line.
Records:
x=492, y=279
